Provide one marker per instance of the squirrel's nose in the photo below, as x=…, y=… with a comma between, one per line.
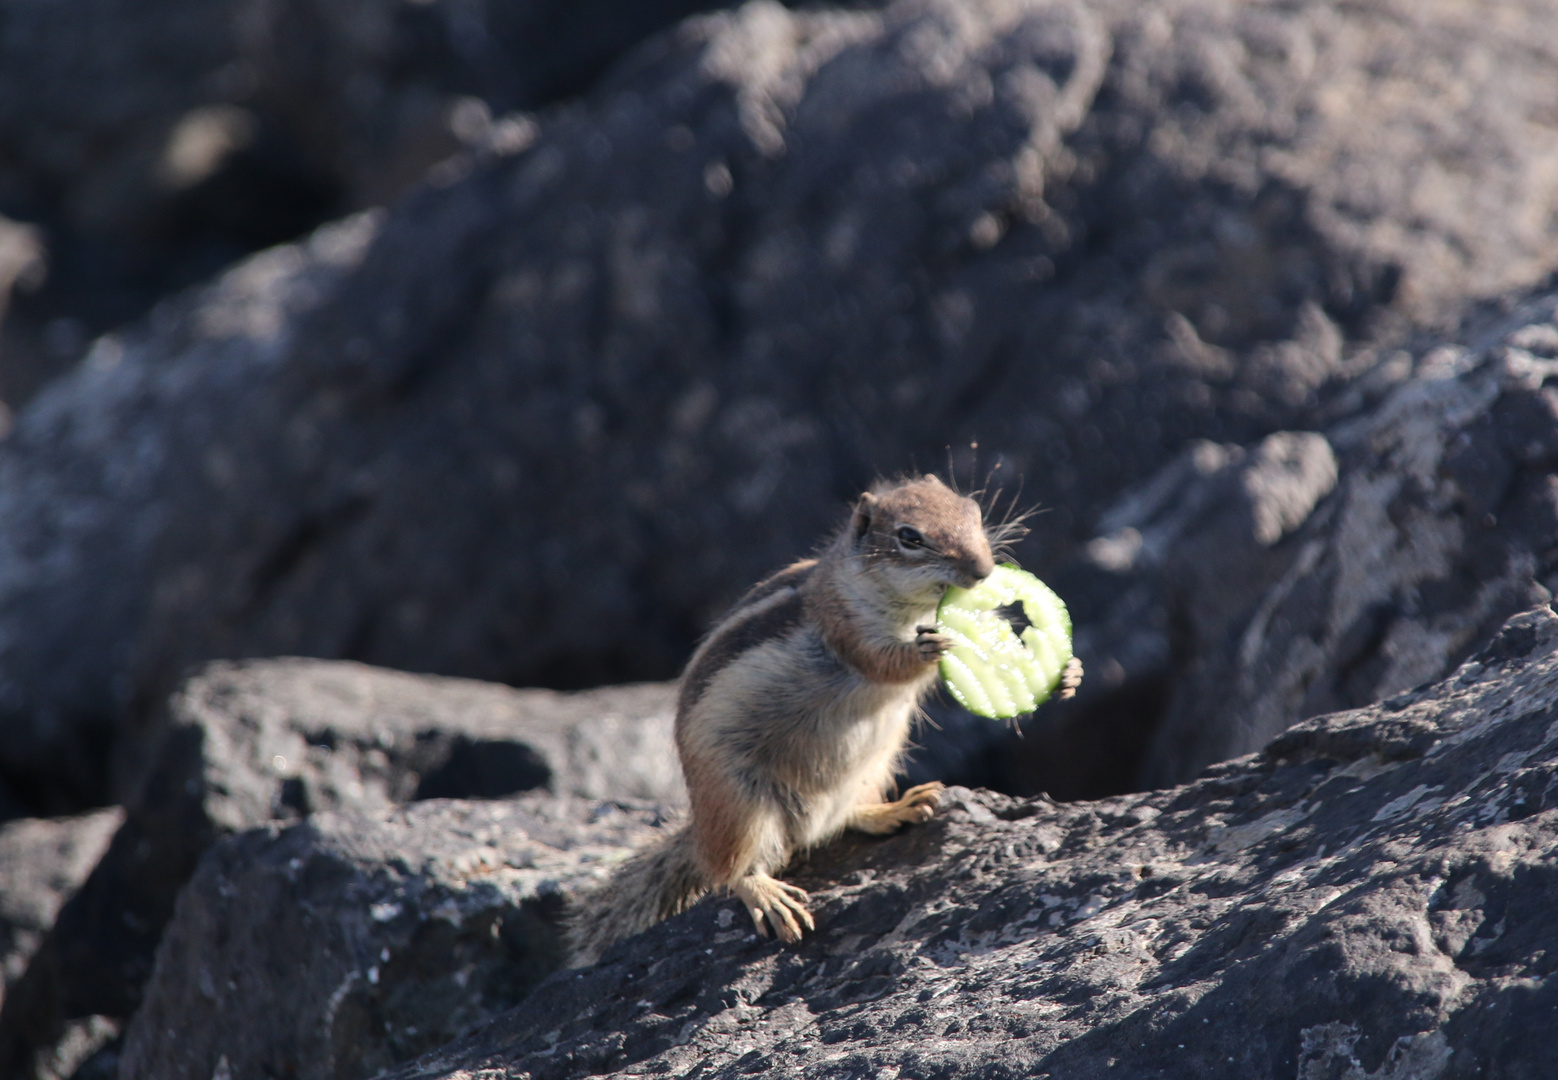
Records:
x=975, y=568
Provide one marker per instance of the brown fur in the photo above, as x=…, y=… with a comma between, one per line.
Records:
x=770, y=614
x=720, y=839
x=794, y=712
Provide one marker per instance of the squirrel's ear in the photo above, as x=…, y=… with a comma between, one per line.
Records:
x=865, y=510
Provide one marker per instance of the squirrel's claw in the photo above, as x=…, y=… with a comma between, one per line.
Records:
x=930, y=643
x=1070, y=679
x=923, y=799
x=776, y=904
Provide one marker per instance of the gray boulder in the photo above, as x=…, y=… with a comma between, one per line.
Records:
x=245, y=744
x=1255, y=587
x=23, y=268
x=155, y=142
x=44, y=861
x=545, y=419
x=1368, y=896
x=279, y=739
x=336, y=948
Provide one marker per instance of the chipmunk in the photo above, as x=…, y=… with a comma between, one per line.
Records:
x=793, y=713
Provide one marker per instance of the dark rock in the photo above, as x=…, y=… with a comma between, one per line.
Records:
x=276, y=739
x=1369, y=897
x=12, y=805
x=548, y=417
x=23, y=267
x=42, y=862
x=247, y=743
x=1258, y=588
x=370, y=937
x=157, y=142
x=1181, y=555
x=87, y=1049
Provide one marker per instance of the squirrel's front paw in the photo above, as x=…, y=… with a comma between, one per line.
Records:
x=930, y=643
x=1070, y=679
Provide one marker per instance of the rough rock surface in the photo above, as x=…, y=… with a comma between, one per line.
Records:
x=1369, y=896
x=247, y=743
x=370, y=938
x=601, y=384
x=42, y=862
x=281, y=738
x=1313, y=572
x=157, y=141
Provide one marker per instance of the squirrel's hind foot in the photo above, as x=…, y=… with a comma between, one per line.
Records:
x=781, y=904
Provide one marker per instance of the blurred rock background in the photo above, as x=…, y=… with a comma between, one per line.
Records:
x=544, y=416
x=512, y=342
x=151, y=145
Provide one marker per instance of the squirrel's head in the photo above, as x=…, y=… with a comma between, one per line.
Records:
x=922, y=535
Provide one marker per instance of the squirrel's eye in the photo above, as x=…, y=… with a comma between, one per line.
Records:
x=910, y=537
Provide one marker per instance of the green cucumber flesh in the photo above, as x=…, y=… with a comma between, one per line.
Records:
x=988, y=668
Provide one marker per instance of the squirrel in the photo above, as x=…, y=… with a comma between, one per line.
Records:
x=793, y=714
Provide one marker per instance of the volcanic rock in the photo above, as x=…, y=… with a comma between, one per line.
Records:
x=601, y=382
x=1259, y=586
x=371, y=937
x=247, y=743
x=155, y=142
x=1368, y=896
x=45, y=860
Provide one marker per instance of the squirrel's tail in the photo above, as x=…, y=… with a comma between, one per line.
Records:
x=659, y=882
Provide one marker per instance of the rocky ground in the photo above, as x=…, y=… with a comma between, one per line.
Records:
x=585, y=321
x=543, y=418
x=1368, y=896
x=251, y=744
x=385, y=934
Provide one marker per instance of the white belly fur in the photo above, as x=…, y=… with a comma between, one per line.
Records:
x=872, y=728
x=837, y=746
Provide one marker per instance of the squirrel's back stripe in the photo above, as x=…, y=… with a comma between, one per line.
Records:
x=791, y=577
x=771, y=610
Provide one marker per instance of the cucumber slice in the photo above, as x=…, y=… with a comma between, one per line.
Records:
x=988, y=669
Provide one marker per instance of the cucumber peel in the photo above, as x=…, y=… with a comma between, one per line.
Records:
x=991, y=670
